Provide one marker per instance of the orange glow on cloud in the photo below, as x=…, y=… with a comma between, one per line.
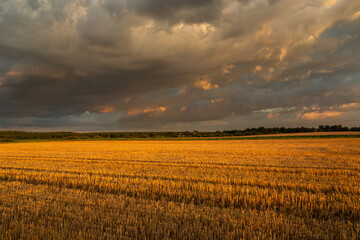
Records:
x=183, y=109
x=14, y=74
x=283, y=54
x=107, y=110
x=258, y=68
x=134, y=111
x=350, y=105
x=227, y=69
x=205, y=85
x=272, y=115
x=318, y=115
x=161, y=109
x=146, y=110
x=217, y=100
x=356, y=15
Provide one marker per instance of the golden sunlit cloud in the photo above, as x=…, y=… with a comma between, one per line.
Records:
x=330, y=3
x=146, y=110
x=205, y=85
x=257, y=69
x=160, y=109
x=350, y=105
x=319, y=115
x=283, y=54
x=226, y=69
x=355, y=16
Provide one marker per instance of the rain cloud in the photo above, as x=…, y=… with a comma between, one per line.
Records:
x=108, y=65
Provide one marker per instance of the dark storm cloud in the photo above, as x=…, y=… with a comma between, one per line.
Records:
x=34, y=4
x=154, y=64
x=174, y=11
x=105, y=26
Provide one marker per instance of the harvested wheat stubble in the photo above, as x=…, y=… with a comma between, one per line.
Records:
x=299, y=188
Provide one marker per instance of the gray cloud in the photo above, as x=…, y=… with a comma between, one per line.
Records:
x=173, y=11
x=154, y=64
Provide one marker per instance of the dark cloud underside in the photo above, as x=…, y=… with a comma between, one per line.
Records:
x=95, y=65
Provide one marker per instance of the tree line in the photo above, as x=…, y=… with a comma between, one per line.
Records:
x=8, y=136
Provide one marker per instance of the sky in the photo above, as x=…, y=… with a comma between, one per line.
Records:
x=176, y=65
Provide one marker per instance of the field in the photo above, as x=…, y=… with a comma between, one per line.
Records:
x=248, y=189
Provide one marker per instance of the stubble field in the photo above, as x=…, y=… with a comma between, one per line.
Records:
x=247, y=189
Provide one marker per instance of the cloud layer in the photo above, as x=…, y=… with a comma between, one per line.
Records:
x=95, y=65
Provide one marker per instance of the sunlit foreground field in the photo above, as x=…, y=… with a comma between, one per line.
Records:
x=301, y=188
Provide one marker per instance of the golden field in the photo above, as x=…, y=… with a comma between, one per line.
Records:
x=235, y=189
